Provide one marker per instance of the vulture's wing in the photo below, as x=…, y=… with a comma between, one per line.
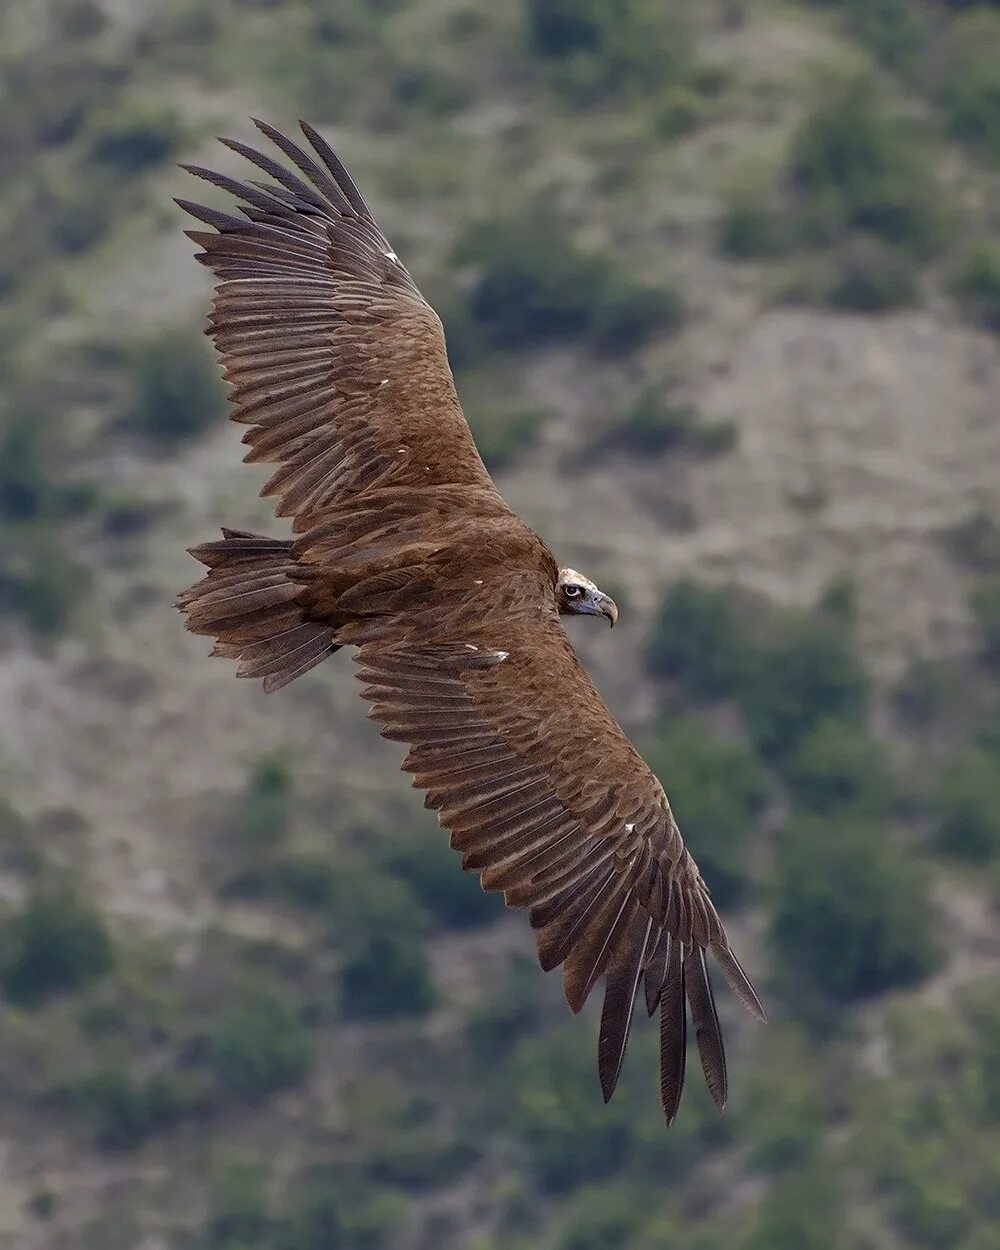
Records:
x=337, y=361
x=548, y=801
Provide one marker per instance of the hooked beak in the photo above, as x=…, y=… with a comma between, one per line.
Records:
x=606, y=606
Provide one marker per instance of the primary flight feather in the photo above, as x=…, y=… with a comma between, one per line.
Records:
x=406, y=551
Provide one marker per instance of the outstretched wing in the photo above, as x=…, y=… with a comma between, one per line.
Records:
x=548, y=801
x=337, y=361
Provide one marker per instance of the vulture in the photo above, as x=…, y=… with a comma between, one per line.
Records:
x=403, y=549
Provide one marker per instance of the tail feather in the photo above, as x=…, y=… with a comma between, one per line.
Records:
x=249, y=602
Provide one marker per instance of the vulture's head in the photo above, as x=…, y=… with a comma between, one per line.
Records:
x=577, y=595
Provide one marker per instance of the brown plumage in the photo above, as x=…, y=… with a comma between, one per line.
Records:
x=406, y=551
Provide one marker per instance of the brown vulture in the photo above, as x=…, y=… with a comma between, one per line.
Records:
x=404, y=549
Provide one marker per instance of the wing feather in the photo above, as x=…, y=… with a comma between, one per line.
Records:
x=337, y=363
x=545, y=798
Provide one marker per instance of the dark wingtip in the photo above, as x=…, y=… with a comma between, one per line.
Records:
x=738, y=981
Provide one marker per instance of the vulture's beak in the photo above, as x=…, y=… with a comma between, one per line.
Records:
x=606, y=606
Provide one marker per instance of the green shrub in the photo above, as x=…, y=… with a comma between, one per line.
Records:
x=307, y=880
x=967, y=806
x=803, y=1211
x=717, y=789
x=972, y=84
x=557, y=28
x=571, y=1141
x=837, y=767
x=438, y=94
x=56, y=943
x=781, y=1113
x=656, y=422
x=751, y=228
x=535, y=286
x=239, y=1215
x=570, y=1138
x=975, y=541
x=328, y=1212
x=433, y=871
x=27, y=491
x=978, y=284
x=129, y=142
x=595, y=47
x=379, y=927
x=868, y=275
x=854, y=167
x=79, y=19
x=176, y=389
x=414, y=1152
x=804, y=672
x=925, y=691
x=986, y=609
x=41, y=583
x=267, y=803
x=502, y=433
x=896, y=31
x=259, y=1047
x=387, y=976
x=507, y=1012
x=912, y=1123
x=851, y=915
x=602, y=1216
x=128, y=1108
x=699, y=640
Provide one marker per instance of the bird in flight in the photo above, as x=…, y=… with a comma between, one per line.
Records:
x=403, y=548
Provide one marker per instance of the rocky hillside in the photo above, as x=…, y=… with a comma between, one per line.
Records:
x=722, y=292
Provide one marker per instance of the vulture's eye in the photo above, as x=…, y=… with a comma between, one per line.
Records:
x=573, y=592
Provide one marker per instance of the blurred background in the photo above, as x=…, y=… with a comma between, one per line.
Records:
x=722, y=290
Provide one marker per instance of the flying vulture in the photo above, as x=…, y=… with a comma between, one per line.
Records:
x=404, y=549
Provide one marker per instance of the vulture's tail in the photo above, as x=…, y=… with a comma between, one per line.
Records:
x=250, y=604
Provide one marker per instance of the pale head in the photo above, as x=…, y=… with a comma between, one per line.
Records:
x=577, y=595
